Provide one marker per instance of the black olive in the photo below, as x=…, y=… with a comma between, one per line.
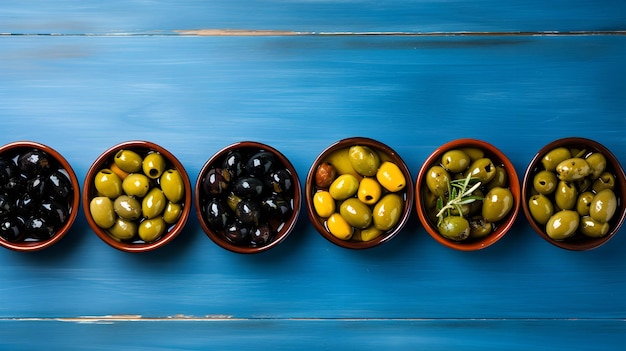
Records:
x=260, y=163
x=59, y=185
x=248, y=212
x=217, y=214
x=15, y=186
x=237, y=233
x=36, y=186
x=234, y=163
x=261, y=235
x=275, y=206
x=54, y=212
x=280, y=181
x=38, y=228
x=12, y=228
x=215, y=182
x=33, y=162
x=25, y=204
x=8, y=170
x=6, y=204
x=248, y=187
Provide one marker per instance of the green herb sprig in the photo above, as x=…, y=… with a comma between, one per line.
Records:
x=458, y=195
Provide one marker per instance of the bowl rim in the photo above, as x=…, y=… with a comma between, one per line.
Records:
x=590, y=243
x=310, y=188
x=88, y=189
x=31, y=246
x=514, y=186
x=289, y=225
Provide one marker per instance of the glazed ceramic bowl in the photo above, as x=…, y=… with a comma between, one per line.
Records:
x=47, y=193
x=248, y=197
x=137, y=196
x=500, y=206
x=359, y=193
x=611, y=175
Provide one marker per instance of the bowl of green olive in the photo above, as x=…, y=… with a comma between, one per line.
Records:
x=39, y=196
x=574, y=190
x=137, y=196
x=247, y=197
x=359, y=193
x=468, y=194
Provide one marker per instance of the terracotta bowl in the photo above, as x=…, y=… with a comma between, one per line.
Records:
x=47, y=193
x=426, y=202
x=388, y=217
x=248, y=197
x=583, y=147
x=141, y=226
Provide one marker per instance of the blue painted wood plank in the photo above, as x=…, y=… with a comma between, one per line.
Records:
x=159, y=17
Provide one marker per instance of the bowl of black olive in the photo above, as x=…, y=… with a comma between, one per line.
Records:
x=574, y=190
x=247, y=197
x=39, y=196
x=137, y=196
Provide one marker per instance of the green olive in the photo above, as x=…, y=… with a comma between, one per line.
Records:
x=562, y=224
x=603, y=206
x=387, y=211
x=232, y=200
x=554, y=157
x=541, y=208
x=101, y=209
x=123, y=229
x=127, y=207
x=583, y=203
x=605, y=181
x=592, y=228
x=501, y=179
x=454, y=228
x=172, y=212
x=497, y=204
x=483, y=169
x=364, y=160
x=153, y=165
x=356, y=213
x=369, y=233
x=474, y=153
x=597, y=163
x=153, y=203
x=573, y=169
x=566, y=195
x=369, y=191
x=172, y=185
x=151, y=229
x=545, y=182
x=339, y=227
x=108, y=183
x=437, y=180
x=136, y=184
x=128, y=161
x=343, y=187
x=455, y=161
x=583, y=185
x=479, y=227
x=477, y=205
x=390, y=177
x=323, y=203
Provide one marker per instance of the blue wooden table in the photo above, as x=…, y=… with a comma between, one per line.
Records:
x=195, y=76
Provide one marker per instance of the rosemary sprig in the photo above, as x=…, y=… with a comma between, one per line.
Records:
x=458, y=195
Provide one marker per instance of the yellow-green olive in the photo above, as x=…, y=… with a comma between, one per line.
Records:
x=605, y=181
x=172, y=212
x=554, y=157
x=153, y=165
x=477, y=205
x=343, y=187
x=151, y=229
x=128, y=161
x=136, y=184
x=429, y=199
x=232, y=200
x=541, y=208
x=324, y=204
x=454, y=228
x=108, y=183
x=483, y=169
x=101, y=209
x=153, y=203
x=438, y=180
x=562, y=224
x=339, y=227
x=584, y=202
x=545, y=182
x=369, y=233
x=364, y=160
x=583, y=185
x=172, y=185
x=603, y=206
x=497, y=204
x=566, y=195
x=573, y=169
x=501, y=179
x=592, y=228
x=123, y=229
x=597, y=163
x=390, y=177
x=576, y=152
x=474, y=153
x=127, y=207
x=455, y=161
x=356, y=213
x=387, y=211
x=465, y=210
x=369, y=191
x=479, y=227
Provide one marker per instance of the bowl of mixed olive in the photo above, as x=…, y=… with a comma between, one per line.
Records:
x=359, y=193
x=39, y=196
x=573, y=191
x=247, y=197
x=137, y=196
x=468, y=194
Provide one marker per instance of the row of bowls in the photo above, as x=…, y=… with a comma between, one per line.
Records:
x=410, y=193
